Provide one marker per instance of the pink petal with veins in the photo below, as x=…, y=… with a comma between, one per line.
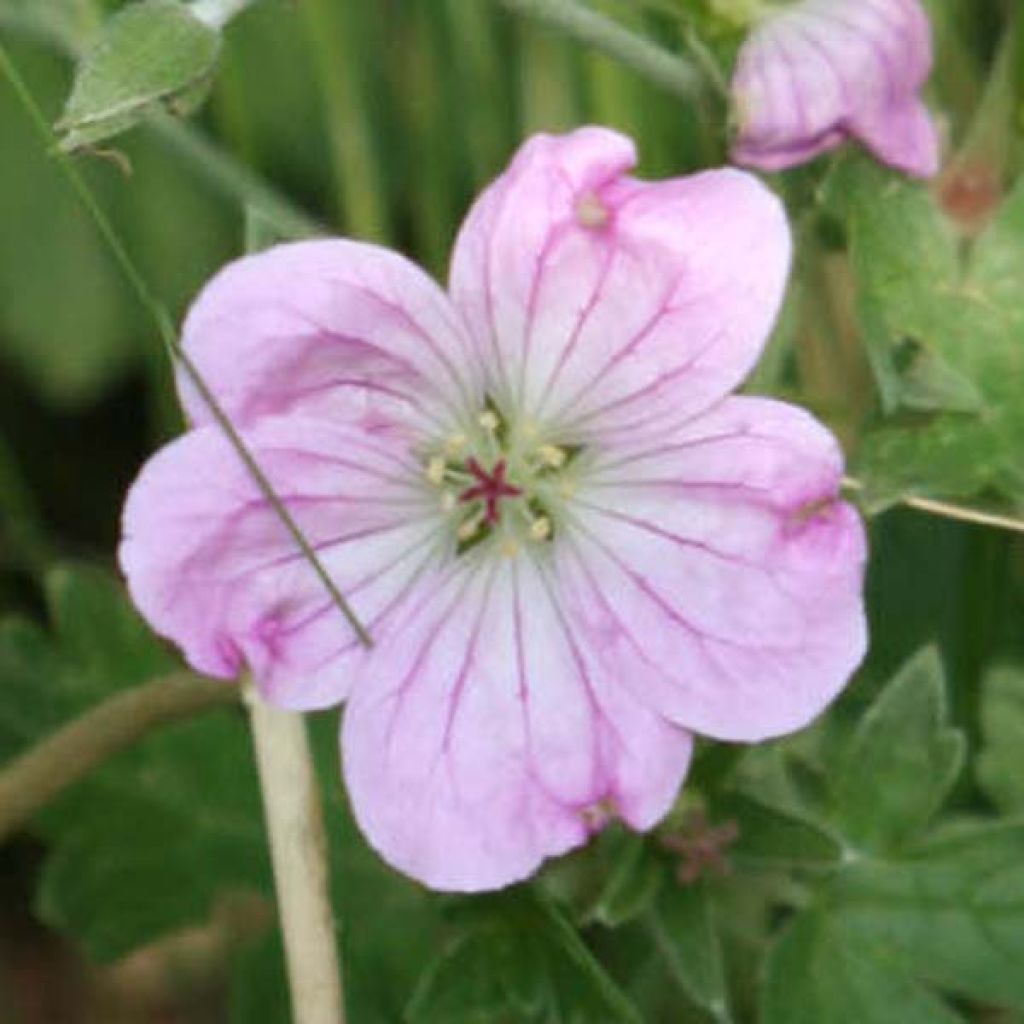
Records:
x=211, y=566
x=483, y=737
x=662, y=305
x=821, y=71
x=335, y=329
x=719, y=575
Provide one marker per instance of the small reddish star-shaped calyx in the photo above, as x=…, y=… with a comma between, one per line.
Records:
x=703, y=848
x=489, y=488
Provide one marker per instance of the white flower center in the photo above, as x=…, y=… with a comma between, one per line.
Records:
x=501, y=482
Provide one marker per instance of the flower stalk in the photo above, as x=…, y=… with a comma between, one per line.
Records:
x=950, y=510
x=671, y=72
x=298, y=847
x=42, y=773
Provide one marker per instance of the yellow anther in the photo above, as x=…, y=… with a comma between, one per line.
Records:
x=467, y=530
x=454, y=445
x=552, y=456
x=489, y=420
x=436, y=470
x=509, y=548
x=448, y=501
x=591, y=212
x=540, y=528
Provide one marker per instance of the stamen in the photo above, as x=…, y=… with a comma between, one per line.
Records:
x=436, y=469
x=591, y=212
x=489, y=420
x=468, y=529
x=597, y=815
x=540, y=528
x=509, y=548
x=454, y=445
x=448, y=501
x=552, y=456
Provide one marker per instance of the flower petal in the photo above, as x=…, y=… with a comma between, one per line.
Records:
x=335, y=329
x=903, y=136
x=211, y=566
x=590, y=295
x=718, y=575
x=822, y=70
x=482, y=738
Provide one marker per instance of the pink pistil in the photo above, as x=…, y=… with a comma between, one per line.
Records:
x=490, y=487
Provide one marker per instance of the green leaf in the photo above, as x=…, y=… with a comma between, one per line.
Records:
x=901, y=762
x=156, y=838
x=994, y=278
x=684, y=933
x=771, y=837
x=903, y=253
x=259, y=986
x=100, y=646
x=814, y=974
x=944, y=334
x=633, y=881
x=153, y=838
x=70, y=350
x=1000, y=764
x=951, y=455
x=951, y=914
x=152, y=55
x=929, y=384
x=517, y=959
x=466, y=984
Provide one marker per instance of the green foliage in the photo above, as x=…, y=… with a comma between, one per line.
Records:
x=942, y=328
x=153, y=55
x=901, y=763
x=773, y=837
x=69, y=350
x=905, y=912
x=631, y=884
x=815, y=974
x=518, y=959
x=167, y=832
x=684, y=931
x=1000, y=765
x=951, y=912
x=152, y=840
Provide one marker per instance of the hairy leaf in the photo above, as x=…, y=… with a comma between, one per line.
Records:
x=151, y=55
x=1000, y=764
x=902, y=761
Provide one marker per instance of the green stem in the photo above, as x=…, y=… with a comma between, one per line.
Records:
x=672, y=72
x=169, y=337
x=34, y=779
x=949, y=510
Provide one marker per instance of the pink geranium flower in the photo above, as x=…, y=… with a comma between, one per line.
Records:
x=571, y=547
x=819, y=72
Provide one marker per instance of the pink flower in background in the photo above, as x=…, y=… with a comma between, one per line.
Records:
x=571, y=546
x=819, y=72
